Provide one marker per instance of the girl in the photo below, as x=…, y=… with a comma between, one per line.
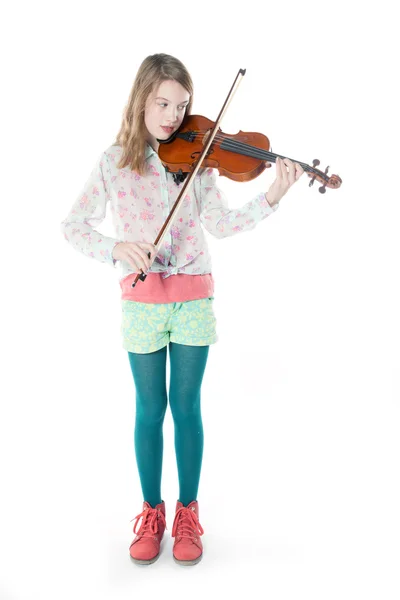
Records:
x=173, y=307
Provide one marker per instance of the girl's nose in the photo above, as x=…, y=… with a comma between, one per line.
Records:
x=173, y=115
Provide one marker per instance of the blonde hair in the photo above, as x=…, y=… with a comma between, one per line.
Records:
x=133, y=133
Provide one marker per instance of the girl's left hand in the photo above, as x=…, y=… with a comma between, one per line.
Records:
x=284, y=179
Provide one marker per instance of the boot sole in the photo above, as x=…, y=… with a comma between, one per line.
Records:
x=187, y=563
x=139, y=561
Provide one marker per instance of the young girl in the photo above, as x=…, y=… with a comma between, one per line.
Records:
x=173, y=307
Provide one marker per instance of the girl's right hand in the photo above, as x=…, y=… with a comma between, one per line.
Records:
x=135, y=253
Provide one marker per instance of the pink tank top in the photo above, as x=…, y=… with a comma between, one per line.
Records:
x=175, y=288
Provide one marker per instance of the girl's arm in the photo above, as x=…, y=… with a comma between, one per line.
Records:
x=89, y=210
x=216, y=216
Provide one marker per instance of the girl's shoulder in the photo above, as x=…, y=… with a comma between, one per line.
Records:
x=113, y=150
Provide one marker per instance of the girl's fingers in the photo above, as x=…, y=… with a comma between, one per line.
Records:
x=299, y=170
x=144, y=253
x=278, y=168
x=141, y=259
x=284, y=172
x=151, y=248
x=292, y=171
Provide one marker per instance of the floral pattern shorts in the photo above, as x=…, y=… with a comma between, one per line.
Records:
x=149, y=327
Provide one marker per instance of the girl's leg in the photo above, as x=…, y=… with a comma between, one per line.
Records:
x=187, y=369
x=149, y=373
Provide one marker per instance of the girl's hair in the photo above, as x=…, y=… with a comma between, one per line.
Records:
x=132, y=135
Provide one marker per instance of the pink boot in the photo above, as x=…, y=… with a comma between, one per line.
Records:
x=188, y=548
x=145, y=548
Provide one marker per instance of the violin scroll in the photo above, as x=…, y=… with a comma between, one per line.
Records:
x=333, y=182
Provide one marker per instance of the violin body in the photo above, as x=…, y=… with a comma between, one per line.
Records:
x=181, y=150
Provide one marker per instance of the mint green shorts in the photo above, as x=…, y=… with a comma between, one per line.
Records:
x=149, y=327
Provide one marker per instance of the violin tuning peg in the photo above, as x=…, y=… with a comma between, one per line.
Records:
x=311, y=182
x=326, y=170
x=322, y=189
x=315, y=162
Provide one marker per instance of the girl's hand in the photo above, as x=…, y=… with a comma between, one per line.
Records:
x=284, y=179
x=135, y=253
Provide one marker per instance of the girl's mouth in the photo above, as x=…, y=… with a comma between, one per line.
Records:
x=167, y=129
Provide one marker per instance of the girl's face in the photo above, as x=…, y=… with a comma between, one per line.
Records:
x=165, y=108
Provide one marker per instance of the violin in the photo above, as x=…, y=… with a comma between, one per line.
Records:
x=241, y=157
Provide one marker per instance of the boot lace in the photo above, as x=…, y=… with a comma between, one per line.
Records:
x=149, y=524
x=186, y=524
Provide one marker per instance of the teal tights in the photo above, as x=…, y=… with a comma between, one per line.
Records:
x=187, y=366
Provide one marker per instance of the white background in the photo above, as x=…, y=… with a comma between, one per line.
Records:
x=299, y=489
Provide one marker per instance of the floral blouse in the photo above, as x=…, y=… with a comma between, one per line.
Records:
x=139, y=207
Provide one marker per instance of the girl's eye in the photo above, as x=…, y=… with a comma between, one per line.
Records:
x=165, y=104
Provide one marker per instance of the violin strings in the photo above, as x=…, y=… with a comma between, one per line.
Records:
x=254, y=152
x=249, y=150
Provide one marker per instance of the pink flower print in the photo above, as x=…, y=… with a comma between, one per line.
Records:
x=176, y=249
x=137, y=177
x=146, y=215
x=202, y=253
x=86, y=236
x=126, y=227
x=218, y=196
x=131, y=192
x=237, y=228
x=189, y=257
x=208, y=189
x=84, y=201
x=192, y=239
x=209, y=172
x=121, y=194
x=121, y=211
x=153, y=185
x=175, y=232
x=191, y=223
x=113, y=178
x=95, y=191
x=181, y=219
x=147, y=200
x=154, y=171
